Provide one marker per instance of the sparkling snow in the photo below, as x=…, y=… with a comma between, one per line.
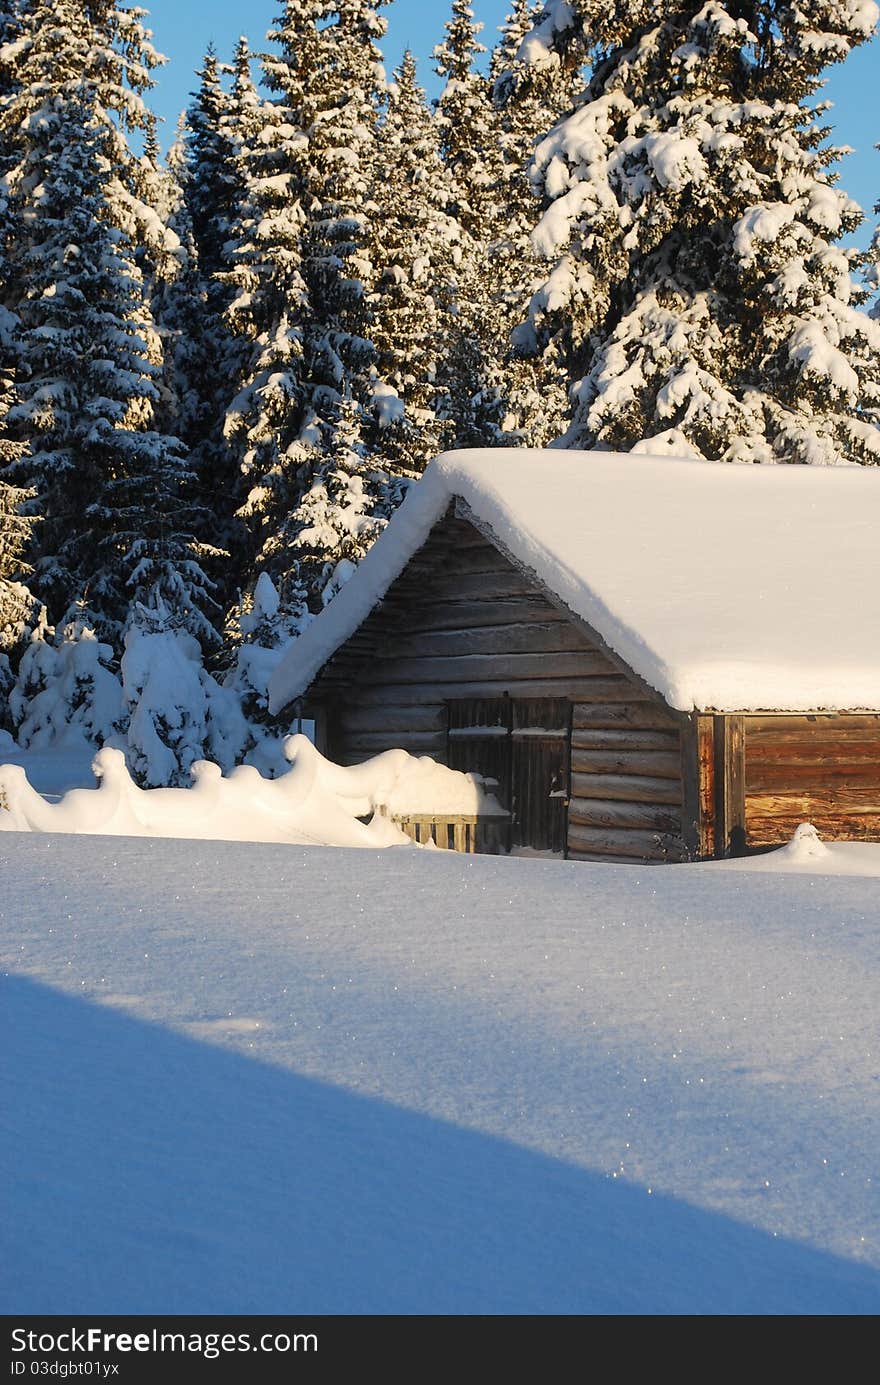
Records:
x=271, y=1079
x=736, y=588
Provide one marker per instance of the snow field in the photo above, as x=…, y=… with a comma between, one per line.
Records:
x=262, y=1078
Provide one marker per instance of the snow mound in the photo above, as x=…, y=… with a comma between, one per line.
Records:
x=805, y=845
x=807, y=854
x=314, y=803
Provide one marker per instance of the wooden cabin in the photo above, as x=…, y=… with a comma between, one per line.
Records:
x=636, y=649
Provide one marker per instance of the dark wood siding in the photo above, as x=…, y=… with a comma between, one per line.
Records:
x=463, y=628
x=823, y=769
x=523, y=745
x=626, y=781
x=461, y=622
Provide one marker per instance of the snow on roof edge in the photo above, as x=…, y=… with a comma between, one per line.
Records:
x=749, y=668
x=424, y=504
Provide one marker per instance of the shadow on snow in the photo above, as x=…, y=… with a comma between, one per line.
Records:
x=149, y=1173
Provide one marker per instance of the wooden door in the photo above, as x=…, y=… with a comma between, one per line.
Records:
x=539, y=743
x=478, y=740
x=523, y=744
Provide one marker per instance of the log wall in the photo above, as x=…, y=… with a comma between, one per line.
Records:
x=462, y=622
x=626, y=781
x=823, y=769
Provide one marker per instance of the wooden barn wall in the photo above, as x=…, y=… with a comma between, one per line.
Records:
x=626, y=781
x=463, y=622
x=823, y=769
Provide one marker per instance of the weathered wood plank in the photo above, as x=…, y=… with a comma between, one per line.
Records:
x=503, y=669
x=634, y=711
x=661, y=763
x=779, y=828
x=729, y=780
x=529, y=638
x=709, y=843
x=450, y=586
x=608, y=738
x=783, y=778
x=690, y=789
x=831, y=802
x=858, y=754
x=631, y=788
x=576, y=689
x=477, y=558
x=467, y=615
x=645, y=846
x=822, y=725
x=597, y=812
x=416, y=742
x=392, y=717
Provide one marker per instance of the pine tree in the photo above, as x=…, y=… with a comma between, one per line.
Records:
x=469, y=135
x=697, y=294
x=262, y=629
x=66, y=693
x=211, y=185
x=109, y=484
x=529, y=99
x=465, y=121
x=873, y=268
x=99, y=51
x=414, y=244
x=17, y=605
x=175, y=712
x=304, y=414
x=199, y=349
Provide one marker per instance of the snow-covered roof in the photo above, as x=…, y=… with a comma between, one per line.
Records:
x=729, y=587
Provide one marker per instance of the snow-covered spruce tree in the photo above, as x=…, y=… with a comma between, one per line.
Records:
x=265, y=294
x=60, y=49
x=303, y=418
x=469, y=134
x=200, y=361
x=17, y=606
x=697, y=292
x=66, y=693
x=528, y=100
x=873, y=268
x=110, y=486
x=18, y=609
x=180, y=309
x=174, y=711
x=211, y=185
x=466, y=125
x=414, y=244
x=263, y=627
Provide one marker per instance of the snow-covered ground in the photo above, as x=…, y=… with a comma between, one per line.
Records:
x=262, y=1078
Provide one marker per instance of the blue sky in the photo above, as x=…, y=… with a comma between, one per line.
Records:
x=183, y=28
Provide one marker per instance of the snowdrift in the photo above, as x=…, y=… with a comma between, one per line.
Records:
x=314, y=803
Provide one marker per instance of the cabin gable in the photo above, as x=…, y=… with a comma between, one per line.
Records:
x=466, y=659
